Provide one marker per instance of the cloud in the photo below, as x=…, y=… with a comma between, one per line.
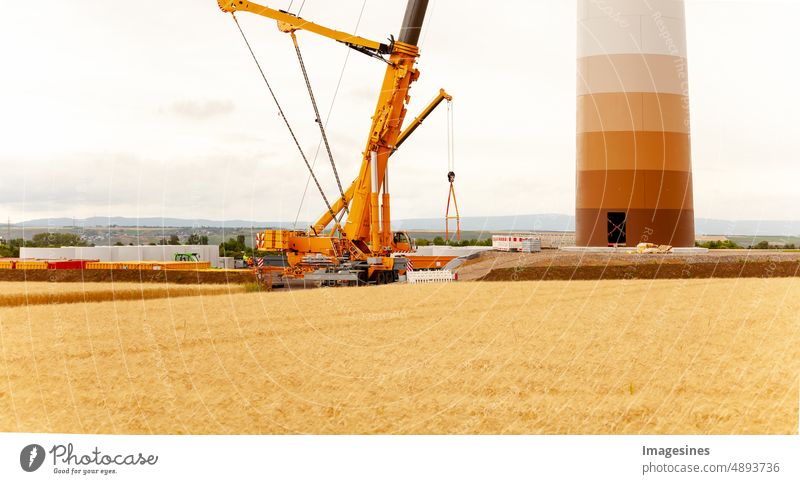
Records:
x=258, y=185
x=202, y=109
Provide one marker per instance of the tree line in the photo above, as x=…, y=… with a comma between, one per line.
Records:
x=454, y=243
x=729, y=244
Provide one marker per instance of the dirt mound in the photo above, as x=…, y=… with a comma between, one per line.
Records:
x=702, y=270
x=556, y=265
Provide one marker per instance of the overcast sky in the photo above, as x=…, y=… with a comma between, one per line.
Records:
x=152, y=108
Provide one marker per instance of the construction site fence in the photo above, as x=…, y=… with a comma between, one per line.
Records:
x=423, y=277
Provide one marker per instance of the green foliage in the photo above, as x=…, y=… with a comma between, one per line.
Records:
x=471, y=242
x=173, y=240
x=718, y=244
x=235, y=247
x=763, y=245
x=11, y=247
x=196, y=239
x=728, y=244
x=8, y=251
x=423, y=242
x=461, y=243
x=56, y=240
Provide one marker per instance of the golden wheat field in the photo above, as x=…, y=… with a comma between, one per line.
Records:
x=33, y=293
x=610, y=357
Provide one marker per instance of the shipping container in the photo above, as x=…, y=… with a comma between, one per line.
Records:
x=68, y=264
x=148, y=265
x=31, y=265
x=186, y=266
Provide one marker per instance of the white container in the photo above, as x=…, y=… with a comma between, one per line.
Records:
x=516, y=243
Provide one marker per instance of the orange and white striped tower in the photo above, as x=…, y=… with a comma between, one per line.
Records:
x=634, y=170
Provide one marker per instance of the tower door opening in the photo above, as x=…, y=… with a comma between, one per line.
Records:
x=617, y=229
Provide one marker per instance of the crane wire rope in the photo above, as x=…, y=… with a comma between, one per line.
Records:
x=318, y=120
x=451, y=150
x=330, y=111
x=289, y=8
x=451, y=174
x=283, y=116
x=427, y=24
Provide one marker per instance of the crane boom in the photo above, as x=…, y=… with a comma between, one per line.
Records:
x=363, y=223
x=288, y=23
x=424, y=114
x=337, y=207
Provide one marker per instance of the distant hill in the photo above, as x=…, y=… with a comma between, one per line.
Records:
x=563, y=223
x=747, y=227
x=538, y=222
x=529, y=222
x=148, y=222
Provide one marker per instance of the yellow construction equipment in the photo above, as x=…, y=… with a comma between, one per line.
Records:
x=352, y=241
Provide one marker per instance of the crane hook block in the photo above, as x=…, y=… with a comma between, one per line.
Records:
x=451, y=176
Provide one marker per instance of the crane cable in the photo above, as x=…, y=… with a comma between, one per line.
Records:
x=319, y=122
x=451, y=175
x=283, y=116
x=451, y=155
x=330, y=111
x=289, y=9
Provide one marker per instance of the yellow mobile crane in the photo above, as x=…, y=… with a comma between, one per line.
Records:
x=360, y=249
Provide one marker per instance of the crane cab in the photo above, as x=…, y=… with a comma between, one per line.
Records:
x=402, y=242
